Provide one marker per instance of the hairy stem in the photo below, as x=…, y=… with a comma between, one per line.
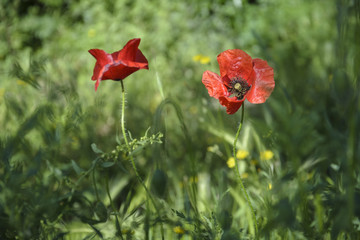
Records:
x=132, y=159
x=236, y=169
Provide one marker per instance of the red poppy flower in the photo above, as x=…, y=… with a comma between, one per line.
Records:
x=120, y=64
x=241, y=77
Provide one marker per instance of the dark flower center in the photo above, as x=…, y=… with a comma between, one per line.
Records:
x=238, y=88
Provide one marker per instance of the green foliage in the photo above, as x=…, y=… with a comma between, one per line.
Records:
x=60, y=144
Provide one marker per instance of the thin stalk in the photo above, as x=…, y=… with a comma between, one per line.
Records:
x=238, y=174
x=132, y=159
x=117, y=224
x=94, y=182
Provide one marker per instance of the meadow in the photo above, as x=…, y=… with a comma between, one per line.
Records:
x=68, y=171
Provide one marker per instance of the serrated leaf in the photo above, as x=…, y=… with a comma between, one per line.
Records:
x=179, y=214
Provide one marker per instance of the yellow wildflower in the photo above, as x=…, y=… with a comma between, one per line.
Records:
x=201, y=58
x=270, y=186
x=205, y=60
x=242, y=154
x=244, y=175
x=231, y=162
x=197, y=58
x=210, y=148
x=214, y=149
x=91, y=33
x=178, y=230
x=266, y=155
x=20, y=82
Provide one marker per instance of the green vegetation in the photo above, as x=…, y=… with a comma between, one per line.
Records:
x=65, y=171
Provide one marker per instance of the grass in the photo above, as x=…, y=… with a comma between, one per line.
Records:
x=61, y=141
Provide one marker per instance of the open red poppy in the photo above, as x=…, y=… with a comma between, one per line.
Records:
x=120, y=64
x=241, y=77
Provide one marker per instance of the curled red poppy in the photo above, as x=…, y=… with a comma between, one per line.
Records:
x=241, y=77
x=120, y=64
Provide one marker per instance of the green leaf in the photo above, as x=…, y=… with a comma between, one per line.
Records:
x=107, y=164
x=159, y=183
x=179, y=214
x=76, y=167
x=97, y=231
x=96, y=149
x=101, y=211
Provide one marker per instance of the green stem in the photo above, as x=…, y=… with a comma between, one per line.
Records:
x=117, y=224
x=94, y=182
x=238, y=174
x=132, y=159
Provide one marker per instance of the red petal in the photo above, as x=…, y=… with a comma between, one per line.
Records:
x=140, y=58
x=119, y=72
x=214, y=85
x=263, y=84
x=102, y=59
x=126, y=61
x=231, y=105
x=120, y=64
x=97, y=84
x=135, y=64
x=235, y=63
x=131, y=56
x=128, y=52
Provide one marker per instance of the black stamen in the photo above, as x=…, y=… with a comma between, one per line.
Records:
x=238, y=88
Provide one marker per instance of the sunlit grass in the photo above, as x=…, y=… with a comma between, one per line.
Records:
x=297, y=153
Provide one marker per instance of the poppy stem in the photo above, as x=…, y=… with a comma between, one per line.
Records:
x=236, y=169
x=132, y=159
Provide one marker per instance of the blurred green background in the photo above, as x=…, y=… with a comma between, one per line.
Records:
x=50, y=115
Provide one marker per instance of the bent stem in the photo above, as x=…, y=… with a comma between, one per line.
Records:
x=238, y=174
x=132, y=159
